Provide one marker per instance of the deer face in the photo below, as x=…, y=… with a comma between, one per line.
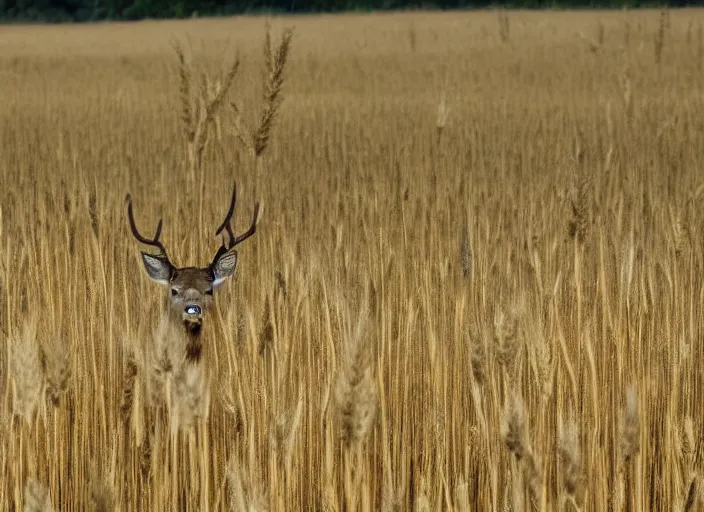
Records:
x=190, y=288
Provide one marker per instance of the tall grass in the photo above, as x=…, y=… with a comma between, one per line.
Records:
x=490, y=304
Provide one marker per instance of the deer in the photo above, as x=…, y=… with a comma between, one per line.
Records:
x=191, y=288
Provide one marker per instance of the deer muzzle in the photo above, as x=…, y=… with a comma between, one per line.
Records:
x=193, y=318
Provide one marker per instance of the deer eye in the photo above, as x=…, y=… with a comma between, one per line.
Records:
x=209, y=291
x=174, y=292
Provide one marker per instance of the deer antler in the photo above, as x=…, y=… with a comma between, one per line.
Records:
x=227, y=226
x=154, y=242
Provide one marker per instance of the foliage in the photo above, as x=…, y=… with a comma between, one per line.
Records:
x=93, y=10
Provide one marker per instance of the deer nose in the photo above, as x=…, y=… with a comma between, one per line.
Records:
x=193, y=310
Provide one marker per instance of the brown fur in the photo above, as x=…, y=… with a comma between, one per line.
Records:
x=190, y=293
x=190, y=287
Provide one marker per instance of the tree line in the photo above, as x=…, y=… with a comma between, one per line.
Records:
x=95, y=10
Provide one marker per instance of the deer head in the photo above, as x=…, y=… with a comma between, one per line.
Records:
x=191, y=288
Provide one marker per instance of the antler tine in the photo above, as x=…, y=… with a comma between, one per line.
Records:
x=226, y=224
x=252, y=228
x=154, y=242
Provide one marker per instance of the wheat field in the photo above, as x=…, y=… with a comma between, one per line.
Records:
x=476, y=283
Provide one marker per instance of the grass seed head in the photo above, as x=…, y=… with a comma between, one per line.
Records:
x=36, y=497
x=26, y=372
x=630, y=426
x=355, y=389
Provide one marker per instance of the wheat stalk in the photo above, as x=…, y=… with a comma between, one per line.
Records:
x=200, y=114
x=275, y=61
x=516, y=437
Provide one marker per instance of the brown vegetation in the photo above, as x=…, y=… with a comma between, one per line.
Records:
x=476, y=284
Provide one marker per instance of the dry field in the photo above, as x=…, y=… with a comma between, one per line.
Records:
x=477, y=281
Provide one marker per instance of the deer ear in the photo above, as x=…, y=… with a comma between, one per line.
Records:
x=158, y=269
x=224, y=266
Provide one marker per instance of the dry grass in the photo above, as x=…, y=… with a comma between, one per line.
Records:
x=477, y=284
